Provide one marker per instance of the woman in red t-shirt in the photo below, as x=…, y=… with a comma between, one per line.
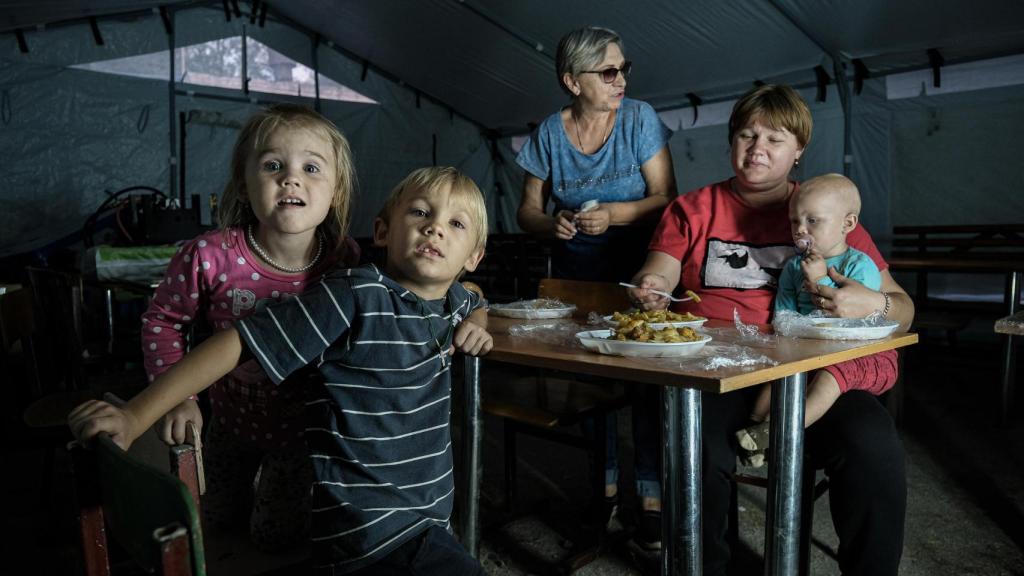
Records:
x=727, y=242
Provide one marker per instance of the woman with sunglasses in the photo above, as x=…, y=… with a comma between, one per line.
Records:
x=605, y=148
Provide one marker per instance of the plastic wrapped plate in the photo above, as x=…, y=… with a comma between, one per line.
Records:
x=597, y=341
x=845, y=329
x=531, y=309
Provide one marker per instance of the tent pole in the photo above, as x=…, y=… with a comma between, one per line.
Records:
x=843, y=87
x=172, y=119
x=315, y=57
x=840, y=78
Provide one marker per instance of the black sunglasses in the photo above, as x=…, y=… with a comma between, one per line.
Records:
x=608, y=75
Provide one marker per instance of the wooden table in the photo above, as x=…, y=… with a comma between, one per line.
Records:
x=681, y=394
x=1009, y=263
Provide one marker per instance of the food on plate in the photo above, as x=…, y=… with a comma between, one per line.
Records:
x=654, y=316
x=640, y=331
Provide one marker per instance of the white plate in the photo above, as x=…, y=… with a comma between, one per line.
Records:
x=597, y=341
x=660, y=325
x=527, y=309
x=845, y=329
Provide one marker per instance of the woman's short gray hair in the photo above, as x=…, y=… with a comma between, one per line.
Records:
x=583, y=49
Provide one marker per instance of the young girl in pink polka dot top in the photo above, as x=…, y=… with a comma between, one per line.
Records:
x=284, y=218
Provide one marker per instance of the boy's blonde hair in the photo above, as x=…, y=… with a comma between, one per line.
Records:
x=233, y=211
x=435, y=178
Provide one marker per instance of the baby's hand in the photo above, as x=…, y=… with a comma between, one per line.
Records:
x=472, y=339
x=94, y=417
x=814, y=267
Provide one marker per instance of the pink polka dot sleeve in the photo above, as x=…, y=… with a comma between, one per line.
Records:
x=175, y=306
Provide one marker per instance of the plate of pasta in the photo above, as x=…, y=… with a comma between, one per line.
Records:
x=645, y=341
x=656, y=318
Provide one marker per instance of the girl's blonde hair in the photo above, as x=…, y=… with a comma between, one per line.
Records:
x=233, y=211
x=435, y=178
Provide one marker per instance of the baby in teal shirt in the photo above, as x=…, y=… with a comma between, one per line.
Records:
x=822, y=212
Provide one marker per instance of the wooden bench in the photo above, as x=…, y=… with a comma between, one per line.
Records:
x=983, y=248
x=948, y=248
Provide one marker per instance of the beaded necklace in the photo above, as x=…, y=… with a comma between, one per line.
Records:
x=266, y=257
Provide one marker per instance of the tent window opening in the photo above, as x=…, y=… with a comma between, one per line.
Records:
x=218, y=64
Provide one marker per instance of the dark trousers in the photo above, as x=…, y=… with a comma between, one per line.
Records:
x=857, y=445
x=434, y=552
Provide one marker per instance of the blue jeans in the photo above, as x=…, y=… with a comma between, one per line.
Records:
x=646, y=412
x=432, y=552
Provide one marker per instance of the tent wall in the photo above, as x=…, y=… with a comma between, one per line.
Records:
x=73, y=136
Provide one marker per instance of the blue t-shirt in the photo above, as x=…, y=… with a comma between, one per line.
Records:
x=853, y=264
x=612, y=174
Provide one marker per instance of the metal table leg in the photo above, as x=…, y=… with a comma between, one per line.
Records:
x=785, y=472
x=681, y=482
x=472, y=467
x=1013, y=281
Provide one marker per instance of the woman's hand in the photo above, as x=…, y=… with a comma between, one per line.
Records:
x=565, y=229
x=593, y=222
x=174, y=424
x=850, y=299
x=94, y=417
x=473, y=339
x=643, y=298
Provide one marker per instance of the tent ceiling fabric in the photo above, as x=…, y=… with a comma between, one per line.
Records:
x=480, y=58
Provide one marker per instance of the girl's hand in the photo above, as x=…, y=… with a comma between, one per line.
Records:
x=814, y=268
x=472, y=339
x=565, y=229
x=643, y=298
x=594, y=221
x=850, y=299
x=175, y=423
x=94, y=416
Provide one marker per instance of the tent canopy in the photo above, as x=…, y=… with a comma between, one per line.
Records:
x=459, y=82
x=493, y=62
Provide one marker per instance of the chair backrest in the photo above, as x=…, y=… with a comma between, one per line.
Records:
x=600, y=297
x=16, y=330
x=150, y=513
x=57, y=329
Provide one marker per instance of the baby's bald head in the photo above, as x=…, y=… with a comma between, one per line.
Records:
x=838, y=190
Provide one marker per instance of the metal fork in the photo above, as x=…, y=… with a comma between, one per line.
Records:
x=658, y=292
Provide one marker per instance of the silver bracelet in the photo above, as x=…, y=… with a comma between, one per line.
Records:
x=888, y=305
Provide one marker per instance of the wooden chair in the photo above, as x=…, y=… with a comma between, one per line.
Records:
x=59, y=367
x=547, y=406
x=152, y=515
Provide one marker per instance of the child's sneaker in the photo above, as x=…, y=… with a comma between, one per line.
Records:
x=754, y=438
x=752, y=459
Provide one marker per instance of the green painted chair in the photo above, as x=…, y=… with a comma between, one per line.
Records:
x=151, y=514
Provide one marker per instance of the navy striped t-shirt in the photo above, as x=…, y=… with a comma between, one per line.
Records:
x=378, y=430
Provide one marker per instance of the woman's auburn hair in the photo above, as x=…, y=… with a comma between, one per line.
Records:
x=778, y=106
x=233, y=211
